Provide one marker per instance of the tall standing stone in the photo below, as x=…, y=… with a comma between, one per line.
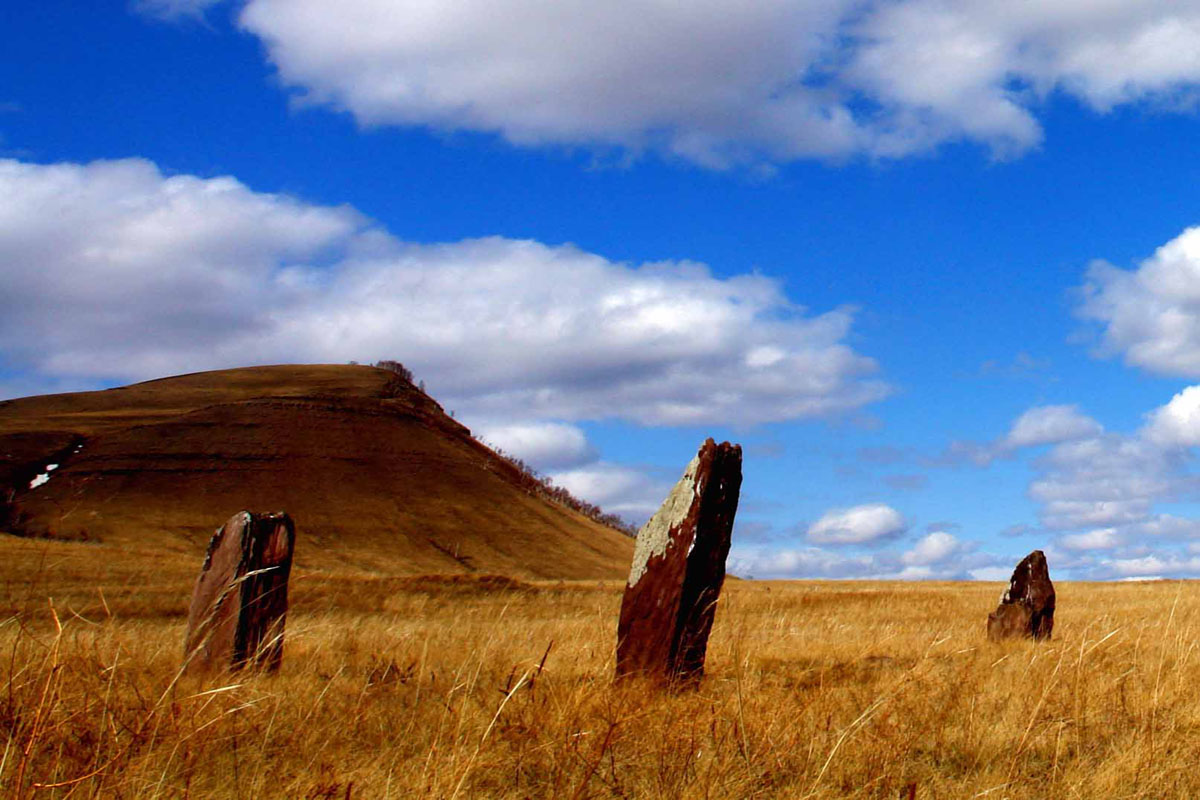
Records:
x=239, y=605
x=678, y=570
x=1027, y=606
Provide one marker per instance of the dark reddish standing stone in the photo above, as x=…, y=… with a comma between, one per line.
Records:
x=239, y=605
x=1027, y=606
x=678, y=570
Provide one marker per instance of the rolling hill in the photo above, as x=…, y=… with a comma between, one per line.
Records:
x=377, y=477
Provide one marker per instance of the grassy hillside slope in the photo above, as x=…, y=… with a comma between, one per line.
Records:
x=376, y=476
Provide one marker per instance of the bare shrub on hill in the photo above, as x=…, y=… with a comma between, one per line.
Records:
x=528, y=478
x=396, y=367
x=403, y=381
x=534, y=482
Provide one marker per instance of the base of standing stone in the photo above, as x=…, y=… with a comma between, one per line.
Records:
x=239, y=604
x=1009, y=621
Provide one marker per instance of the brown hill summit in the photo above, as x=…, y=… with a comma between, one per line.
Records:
x=375, y=474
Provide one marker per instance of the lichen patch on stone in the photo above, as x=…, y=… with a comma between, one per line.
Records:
x=655, y=536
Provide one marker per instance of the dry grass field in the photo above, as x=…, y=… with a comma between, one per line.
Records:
x=473, y=687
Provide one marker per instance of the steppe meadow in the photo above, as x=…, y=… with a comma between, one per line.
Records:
x=461, y=286
x=489, y=687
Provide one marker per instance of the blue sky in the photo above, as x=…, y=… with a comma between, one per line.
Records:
x=931, y=263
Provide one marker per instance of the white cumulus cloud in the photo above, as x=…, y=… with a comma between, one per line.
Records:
x=1151, y=315
x=1098, y=539
x=616, y=488
x=1110, y=480
x=1037, y=426
x=977, y=69
x=1049, y=425
x=723, y=82
x=1104, y=494
x=932, y=548
x=1178, y=422
x=543, y=445
x=1149, y=567
x=857, y=525
x=938, y=555
x=115, y=271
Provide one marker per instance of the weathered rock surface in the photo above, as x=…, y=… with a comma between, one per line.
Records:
x=27, y=461
x=239, y=605
x=1009, y=621
x=1027, y=606
x=678, y=570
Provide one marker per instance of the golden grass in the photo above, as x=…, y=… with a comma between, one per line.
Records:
x=458, y=687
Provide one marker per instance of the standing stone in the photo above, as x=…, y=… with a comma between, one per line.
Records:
x=1027, y=606
x=678, y=569
x=239, y=605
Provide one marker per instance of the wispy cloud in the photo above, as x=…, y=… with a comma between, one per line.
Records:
x=174, y=10
x=906, y=482
x=1038, y=426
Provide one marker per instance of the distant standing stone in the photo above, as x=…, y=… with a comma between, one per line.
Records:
x=678, y=570
x=1027, y=606
x=239, y=605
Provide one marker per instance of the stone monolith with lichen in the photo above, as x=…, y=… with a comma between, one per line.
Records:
x=678, y=570
x=239, y=604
